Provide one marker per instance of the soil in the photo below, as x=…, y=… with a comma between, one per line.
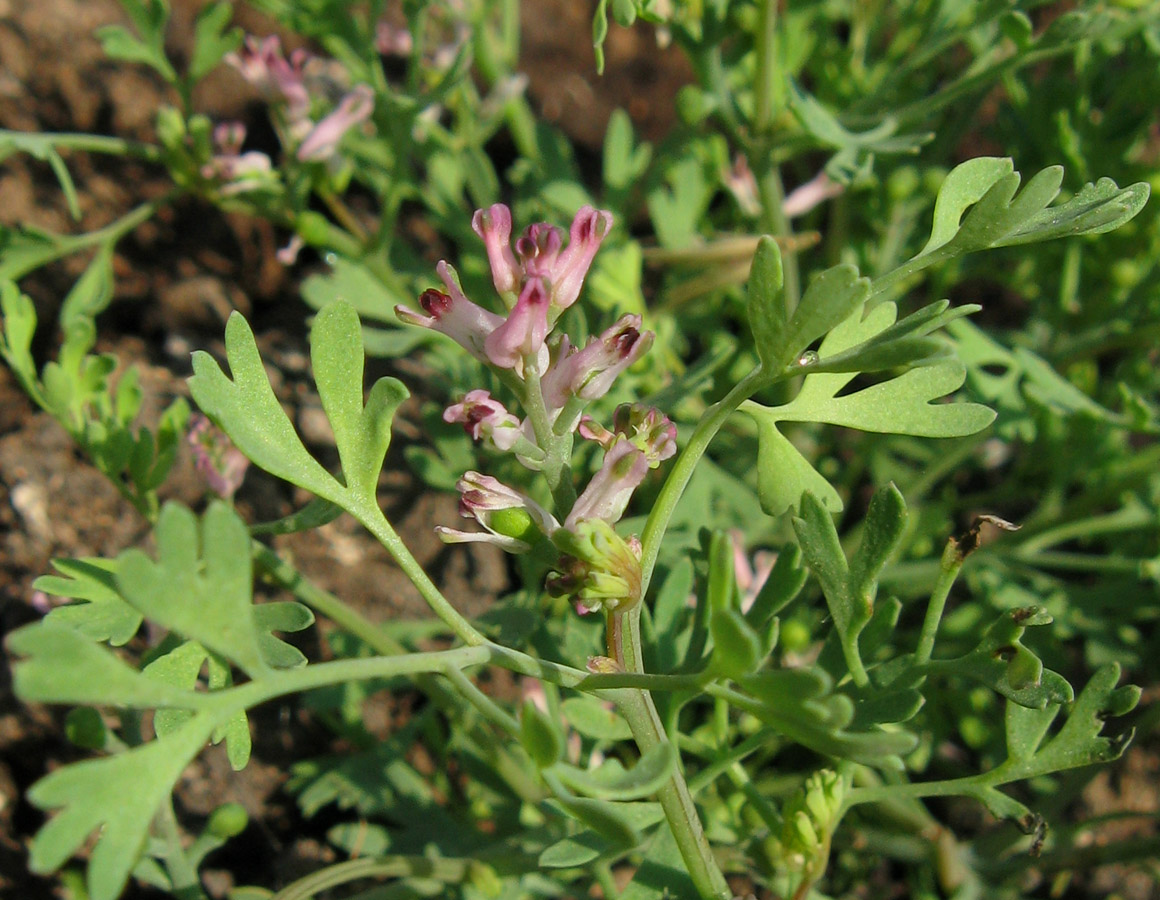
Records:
x=178, y=278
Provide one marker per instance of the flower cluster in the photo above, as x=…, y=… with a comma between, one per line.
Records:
x=283, y=82
x=537, y=277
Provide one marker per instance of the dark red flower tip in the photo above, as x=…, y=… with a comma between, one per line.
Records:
x=435, y=302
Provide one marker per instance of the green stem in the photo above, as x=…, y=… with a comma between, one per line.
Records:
x=676, y=800
x=87, y=143
x=648, y=731
x=449, y=871
x=182, y=874
x=949, y=567
x=324, y=602
x=376, y=523
x=682, y=472
x=557, y=448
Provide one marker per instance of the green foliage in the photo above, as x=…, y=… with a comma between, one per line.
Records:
x=246, y=408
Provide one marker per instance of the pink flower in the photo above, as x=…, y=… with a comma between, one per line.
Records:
x=239, y=172
x=590, y=373
x=646, y=428
x=607, y=494
x=452, y=314
x=485, y=420
x=805, y=197
x=521, y=336
x=494, y=225
x=221, y=463
x=540, y=254
x=322, y=141
x=588, y=231
x=262, y=63
x=510, y=520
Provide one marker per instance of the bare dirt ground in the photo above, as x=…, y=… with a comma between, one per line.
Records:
x=178, y=278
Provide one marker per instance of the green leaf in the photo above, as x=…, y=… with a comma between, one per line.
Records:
x=832, y=297
x=882, y=532
x=117, y=796
x=605, y=818
x=104, y=615
x=798, y=704
x=540, y=736
x=247, y=410
x=26, y=248
x=350, y=282
x=611, y=781
x=93, y=675
x=42, y=147
x=1003, y=663
x=899, y=405
x=591, y=718
x=119, y=43
x=93, y=290
x=362, y=435
x=963, y=187
x=978, y=208
x=737, y=648
x=586, y=845
x=783, y=474
x=282, y=615
x=624, y=163
x=201, y=585
x=211, y=41
x=766, y=306
x=662, y=874
x=1080, y=742
x=573, y=851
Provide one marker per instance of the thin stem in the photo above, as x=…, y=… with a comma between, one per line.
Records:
x=557, y=448
x=324, y=602
x=376, y=523
x=88, y=143
x=949, y=567
x=640, y=712
x=182, y=874
x=682, y=472
x=676, y=800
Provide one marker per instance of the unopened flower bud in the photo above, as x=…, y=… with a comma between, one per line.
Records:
x=646, y=428
x=599, y=569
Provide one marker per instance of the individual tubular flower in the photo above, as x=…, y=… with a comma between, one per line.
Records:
x=238, y=172
x=521, y=335
x=511, y=520
x=486, y=420
x=590, y=373
x=540, y=252
x=599, y=569
x=644, y=427
x=588, y=230
x=221, y=464
x=322, y=141
x=610, y=489
x=262, y=64
x=452, y=314
x=494, y=226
